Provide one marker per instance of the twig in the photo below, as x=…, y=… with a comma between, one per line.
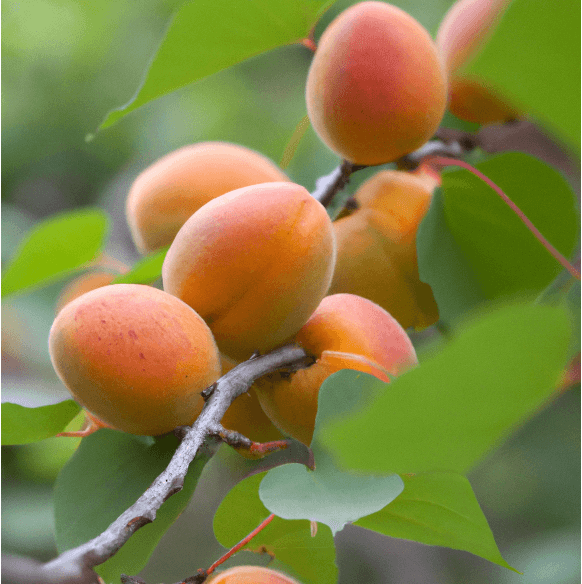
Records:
x=327, y=186
x=75, y=566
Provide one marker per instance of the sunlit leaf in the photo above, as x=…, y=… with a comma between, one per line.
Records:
x=21, y=425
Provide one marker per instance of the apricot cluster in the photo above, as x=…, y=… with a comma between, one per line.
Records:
x=254, y=261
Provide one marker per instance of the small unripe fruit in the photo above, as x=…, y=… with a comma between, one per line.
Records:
x=254, y=264
x=376, y=246
x=135, y=357
x=167, y=193
x=345, y=332
x=251, y=575
x=463, y=33
x=376, y=89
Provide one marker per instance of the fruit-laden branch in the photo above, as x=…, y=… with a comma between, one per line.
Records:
x=520, y=136
x=75, y=566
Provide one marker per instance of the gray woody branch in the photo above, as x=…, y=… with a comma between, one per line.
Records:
x=75, y=566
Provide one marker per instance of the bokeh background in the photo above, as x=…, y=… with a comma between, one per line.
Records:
x=65, y=65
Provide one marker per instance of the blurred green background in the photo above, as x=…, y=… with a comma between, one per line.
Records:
x=65, y=65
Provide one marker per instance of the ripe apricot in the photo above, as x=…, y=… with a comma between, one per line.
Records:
x=251, y=575
x=472, y=101
x=376, y=246
x=376, y=89
x=345, y=332
x=169, y=191
x=463, y=32
x=135, y=357
x=254, y=264
x=246, y=416
x=465, y=29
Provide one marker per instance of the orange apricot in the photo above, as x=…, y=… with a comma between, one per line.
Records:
x=463, y=33
x=246, y=416
x=251, y=575
x=376, y=246
x=465, y=29
x=473, y=101
x=254, y=264
x=169, y=191
x=134, y=356
x=376, y=89
x=345, y=332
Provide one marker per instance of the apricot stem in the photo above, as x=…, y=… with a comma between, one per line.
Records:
x=309, y=43
x=442, y=162
x=238, y=441
x=240, y=544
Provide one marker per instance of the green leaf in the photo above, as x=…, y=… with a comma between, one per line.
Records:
x=565, y=291
x=438, y=508
x=312, y=559
x=533, y=58
x=106, y=475
x=460, y=403
x=206, y=36
x=471, y=246
x=145, y=271
x=21, y=425
x=441, y=264
x=328, y=494
x=54, y=248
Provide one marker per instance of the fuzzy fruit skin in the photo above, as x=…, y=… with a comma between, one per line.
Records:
x=251, y=575
x=376, y=89
x=246, y=416
x=135, y=357
x=345, y=332
x=254, y=264
x=168, y=192
x=463, y=32
x=376, y=246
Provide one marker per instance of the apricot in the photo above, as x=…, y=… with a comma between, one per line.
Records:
x=135, y=357
x=376, y=89
x=169, y=191
x=254, y=264
x=463, y=33
x=472, y=101
x=376, y=246
x=246, y=416
x=345, y=332
x=251, y=575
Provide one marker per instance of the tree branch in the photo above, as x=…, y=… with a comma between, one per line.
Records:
x=75, y=566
